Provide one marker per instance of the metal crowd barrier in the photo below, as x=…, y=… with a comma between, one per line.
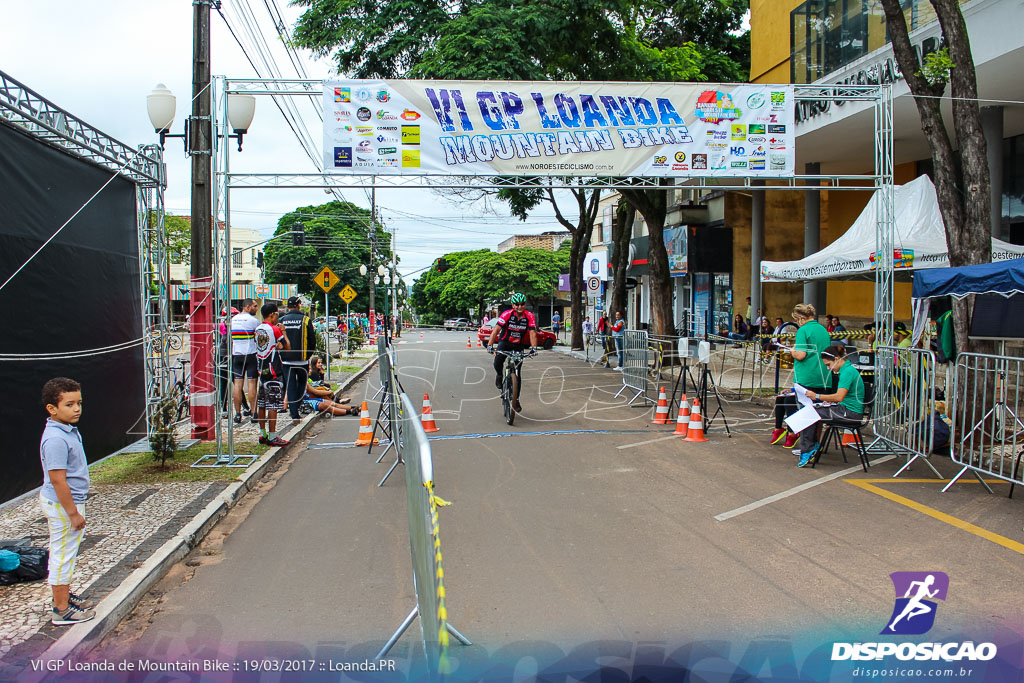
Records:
x=634, y=369
x=424, y=537
x=904, y=404
x=987, y=436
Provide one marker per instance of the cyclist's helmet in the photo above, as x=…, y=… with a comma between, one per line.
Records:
x=518, y=298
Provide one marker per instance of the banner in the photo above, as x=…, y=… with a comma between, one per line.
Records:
x=676, y=130
x=675, y=245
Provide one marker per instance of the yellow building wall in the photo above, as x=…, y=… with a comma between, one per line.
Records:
x=769, y=40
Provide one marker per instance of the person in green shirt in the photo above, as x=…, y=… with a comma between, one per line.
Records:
x=808, y=369
x=846, y=403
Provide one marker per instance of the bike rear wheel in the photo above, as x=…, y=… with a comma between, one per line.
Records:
x=174, y=341
x=509, y=394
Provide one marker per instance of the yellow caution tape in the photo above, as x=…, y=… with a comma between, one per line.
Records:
x=444, y=664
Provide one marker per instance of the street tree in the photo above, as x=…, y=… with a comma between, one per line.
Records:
x=533, y=272
x=336, y=236
x=960, y=180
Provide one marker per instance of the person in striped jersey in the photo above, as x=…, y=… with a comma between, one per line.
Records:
x=243, y=357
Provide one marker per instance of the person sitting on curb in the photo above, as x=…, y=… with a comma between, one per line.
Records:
x=321, y=399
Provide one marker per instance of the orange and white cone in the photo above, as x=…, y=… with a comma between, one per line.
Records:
x=683, y=421
x=479, y=343
x=661, y=412
x=469, y=342
x=849, y=439
x=421, y=335
x=427, y=417
x=696, y=431
x=365, y=427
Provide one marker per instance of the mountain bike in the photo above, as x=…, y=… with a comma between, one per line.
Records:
x=181, y=389
x=511, y=382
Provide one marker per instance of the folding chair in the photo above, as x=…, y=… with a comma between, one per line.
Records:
x=834, y=433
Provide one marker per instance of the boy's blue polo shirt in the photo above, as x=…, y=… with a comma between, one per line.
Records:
x=61, y=449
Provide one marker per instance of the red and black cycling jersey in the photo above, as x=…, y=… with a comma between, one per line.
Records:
x=513, y=328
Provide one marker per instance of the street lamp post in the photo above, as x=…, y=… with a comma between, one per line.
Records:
x=198, y=137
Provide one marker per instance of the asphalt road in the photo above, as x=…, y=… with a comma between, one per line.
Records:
x=556, y=543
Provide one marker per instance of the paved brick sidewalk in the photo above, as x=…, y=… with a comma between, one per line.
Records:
x=127, y=525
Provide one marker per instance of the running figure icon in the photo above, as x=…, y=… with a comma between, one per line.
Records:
x=915, y=606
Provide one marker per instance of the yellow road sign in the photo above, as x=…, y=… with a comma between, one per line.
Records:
x=326, y=279
x=347, y=294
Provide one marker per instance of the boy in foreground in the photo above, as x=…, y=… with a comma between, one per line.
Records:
x=62, y=497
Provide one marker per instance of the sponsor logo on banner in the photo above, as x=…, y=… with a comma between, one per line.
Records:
x=759, y=152
x=363, y=95
x=739, y=131
x=387, y=150
x=386, y=138
x=901, y=258
x=341, y=136
x=714, y=106
x=364, y=131
x=383, y=96
x=384, y=115
x=756, y=100
x=410, y=115
x=713, y=134
x=737, y=151
x=392, y=129
x=343, y=157
x=777, y=129
x=411, y=136
x=389, y=162
x=660, y=161
x=738, y=164
x=756, y=164
x=342, y=95
x=716, y=145
x=777, y=161
x=410, y=158
x=366, y=164
x=680, y=157
x=680, y=167
x=755, y=129
x=699, y=162
x=364, y=146
x=755, y=138
x=364, y=159
x=343, y=115
x=363, y=114
x=768, y=118
x=719, y=162
x=778, y=99
x=775, y=143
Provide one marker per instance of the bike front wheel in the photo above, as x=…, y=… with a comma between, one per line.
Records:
x=509, y=394
x=174, y=341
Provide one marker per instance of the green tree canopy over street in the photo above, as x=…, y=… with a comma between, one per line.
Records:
x=337, y=236
x=477, y=279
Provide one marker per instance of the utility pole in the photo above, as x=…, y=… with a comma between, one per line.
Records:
x=372, y=268
x=201, y=315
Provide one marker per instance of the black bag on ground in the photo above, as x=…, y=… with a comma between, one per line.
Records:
x=34, y=565
x=940, y=440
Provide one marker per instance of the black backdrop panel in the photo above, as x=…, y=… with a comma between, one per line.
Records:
x=998, y=316
x=80, y=292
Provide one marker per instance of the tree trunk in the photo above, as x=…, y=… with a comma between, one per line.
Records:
x=622, y=232
x=652, y=205
x=587, y=200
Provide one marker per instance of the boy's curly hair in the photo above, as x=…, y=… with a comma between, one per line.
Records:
x=57, y=386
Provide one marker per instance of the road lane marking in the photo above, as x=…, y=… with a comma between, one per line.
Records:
x=644, y=443
x=793, y=491
x=868, y=485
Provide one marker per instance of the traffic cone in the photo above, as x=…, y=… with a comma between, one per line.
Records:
x=661, y=412
x=479, y=343
x=365, y=427
x=421, y=335
x=683, y=421
x=427, y=417
x=469, y=342
x=849, y=439
x=696, y=431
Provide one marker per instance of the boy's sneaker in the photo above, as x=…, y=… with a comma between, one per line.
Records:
x=808, y=457
x=791, y=440
x=278, y=441
x=72, y=615
x=265, y=441
x=778, y=435
x=238, y=419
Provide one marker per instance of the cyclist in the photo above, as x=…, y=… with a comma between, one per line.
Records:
x=510, y=332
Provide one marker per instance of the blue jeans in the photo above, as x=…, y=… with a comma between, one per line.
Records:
x=618, y=349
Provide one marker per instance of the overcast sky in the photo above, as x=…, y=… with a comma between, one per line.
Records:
x=99, y=61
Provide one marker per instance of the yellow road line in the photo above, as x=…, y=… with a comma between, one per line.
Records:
x=932, y=512
x=890, y=480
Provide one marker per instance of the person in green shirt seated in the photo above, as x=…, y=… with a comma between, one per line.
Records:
x=847, y=403
x=808, y=369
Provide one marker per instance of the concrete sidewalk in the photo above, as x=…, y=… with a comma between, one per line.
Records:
x=136, y=533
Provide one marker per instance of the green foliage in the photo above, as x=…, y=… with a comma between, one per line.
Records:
x=179, y=236
x=937, y=66
x=355, y=337
x=435, y=319
x=337, y=236
x=162, y=442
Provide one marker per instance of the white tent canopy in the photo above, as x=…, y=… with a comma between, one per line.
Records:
x=920, y=242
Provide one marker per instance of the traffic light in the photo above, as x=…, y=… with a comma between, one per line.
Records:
x=259, y=260
x=299, y=235
x=442, y=265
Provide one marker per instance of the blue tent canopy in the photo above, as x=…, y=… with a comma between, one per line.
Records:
x=1005, y=278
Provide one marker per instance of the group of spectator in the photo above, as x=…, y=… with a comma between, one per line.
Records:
x=611, y=335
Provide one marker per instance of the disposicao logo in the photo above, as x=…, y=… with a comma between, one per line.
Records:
x=913, y=614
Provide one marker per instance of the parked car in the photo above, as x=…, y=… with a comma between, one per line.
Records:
x=545, y=339
x=332, y=324
x=458, y=324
